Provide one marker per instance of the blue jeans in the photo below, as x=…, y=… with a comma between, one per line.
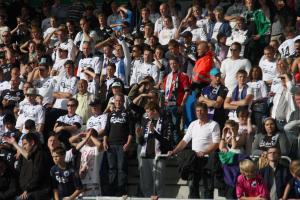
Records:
x=175, y=119
x=117, y=173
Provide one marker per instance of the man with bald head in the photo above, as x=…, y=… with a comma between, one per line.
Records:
x=164, y=12
x=200, y=76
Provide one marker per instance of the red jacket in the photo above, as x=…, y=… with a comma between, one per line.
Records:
x=202, y=67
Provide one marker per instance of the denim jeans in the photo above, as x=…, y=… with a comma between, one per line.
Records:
x=117, y=173
x=175, y=119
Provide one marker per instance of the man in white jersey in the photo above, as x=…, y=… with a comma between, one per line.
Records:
x=205, y=137
x=98, y=120
x=31, y=110
x=88, y=60
x=232, y=65
x=146, y=69
x=69, y=124
x=66, y=88
x=164, y=12
x=267, y=64
x=287, y=49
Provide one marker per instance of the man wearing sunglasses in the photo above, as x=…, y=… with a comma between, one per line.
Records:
x=232, y=65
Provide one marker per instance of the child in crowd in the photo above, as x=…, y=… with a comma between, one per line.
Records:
x=66, y=182
x=292, y=189
x=250, y=185
x=232, y=140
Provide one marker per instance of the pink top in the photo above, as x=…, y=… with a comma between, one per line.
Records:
x=253, y=187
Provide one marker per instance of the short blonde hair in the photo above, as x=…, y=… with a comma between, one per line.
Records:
x=295, y=167
x=247, y=166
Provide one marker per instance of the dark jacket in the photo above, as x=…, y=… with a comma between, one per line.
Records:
x=35, y=173
x=162, y=134
x=187, y=164
x=8, y=184
x=282, y=176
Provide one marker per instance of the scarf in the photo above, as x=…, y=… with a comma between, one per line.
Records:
x=171, y=88
x=235, y=94
x=157, y=128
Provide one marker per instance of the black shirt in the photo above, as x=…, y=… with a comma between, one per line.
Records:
x=119, y=125
x=65, y=180
x=14, y=97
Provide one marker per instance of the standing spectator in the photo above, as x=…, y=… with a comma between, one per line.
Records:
x=69, y=124
x=232, y=65
x=145, y=19
x=275, y=175
x=66, y=88
x=259, y=105
x=164, y=12
x=85, y=35
x=123, y=61
x=205, y=137
x=98, y=119
x=84, y=98
x=268, y=65
x=220, y=26
x=75, y=10
x=154, y=137
x=168, y=31
x=241, y=95
x=117, y=140
x=204, y=64
x=65, y=180
x=146, y=69
x=234, y=11
x=114, y=17
x=103, y=31
x=50, y=37
x=176, y=89
x=249, y=183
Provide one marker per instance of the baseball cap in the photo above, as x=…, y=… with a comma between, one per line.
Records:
x=215, y=71
x=116, y=84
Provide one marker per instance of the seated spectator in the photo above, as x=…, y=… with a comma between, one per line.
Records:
x=213, y=96
x=65, y=179
x=69, y=124
x=50, y=36
x=270, y=137
x=250, y=184
x=92, y=80
x=241, y=95
x=292, y=189
x=34, y=177
x=154, y=137
x=8, y=181
x=232, y=140
x=164, y=10
x=275, y=175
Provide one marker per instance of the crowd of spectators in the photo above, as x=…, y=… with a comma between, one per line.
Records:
x=214, y=84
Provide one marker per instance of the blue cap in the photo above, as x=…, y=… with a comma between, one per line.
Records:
x=215, y=71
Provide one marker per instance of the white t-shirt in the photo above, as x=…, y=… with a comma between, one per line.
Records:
x=53, y=39
x=287, y=49
x=45, y=87
x=93, y=63
x=165, y=35
x=141, y=71
x=34, y=112
x=268, y=69
x=70, y=119
x=158, y=26
x=198, y=34
x=90, y=157
x=259, y=89
x=96, y=122
x=276, y=85
x=216, y=30
x=232, y=114
x=202, y=136
x=66, y=84
x=230, y=67
x=79, y=38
